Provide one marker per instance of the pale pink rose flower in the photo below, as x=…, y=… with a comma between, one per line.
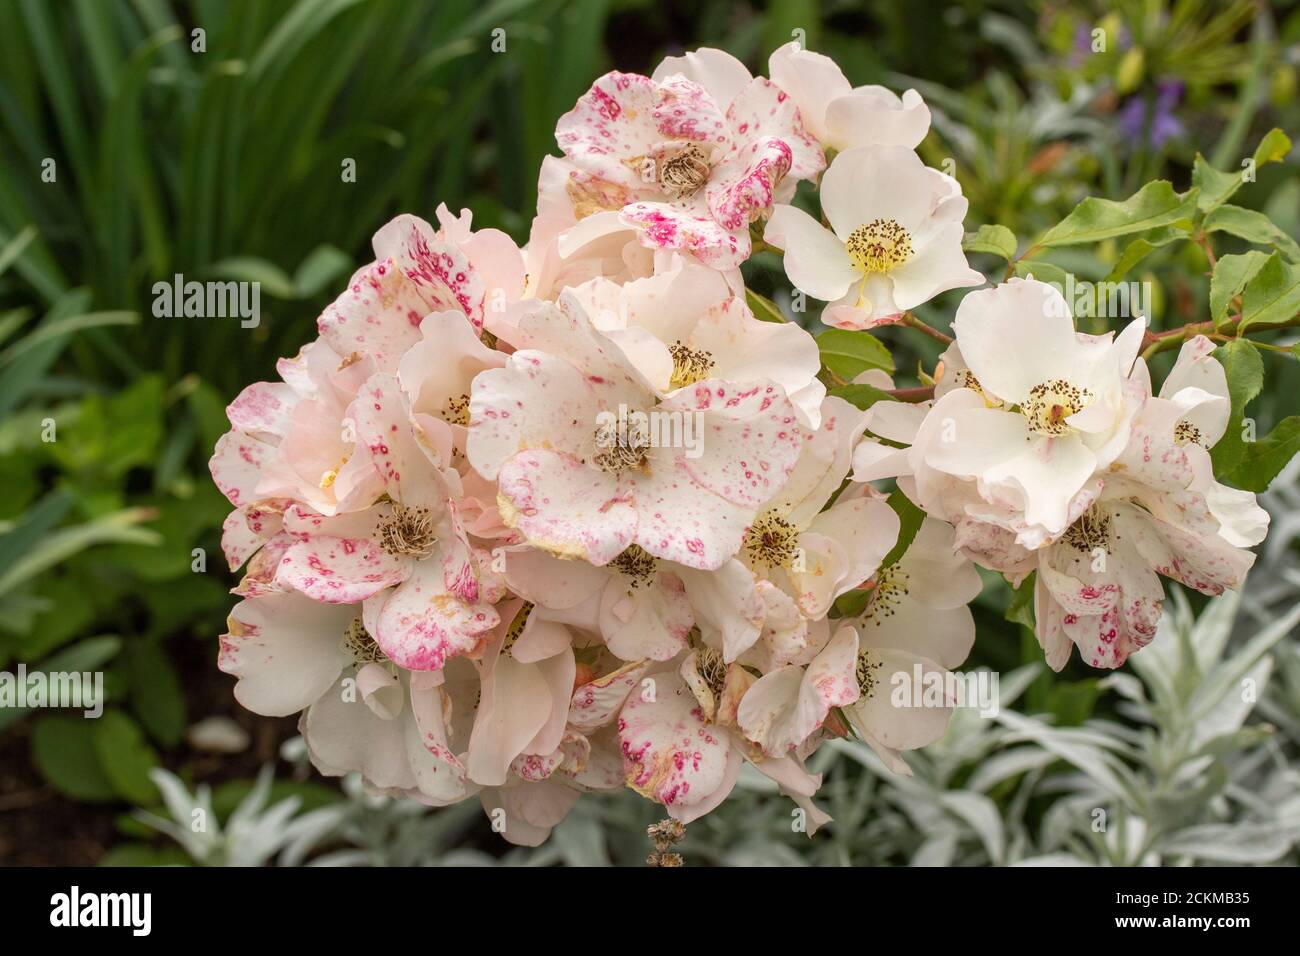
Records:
x=812, y=552
x=686, y=325
x=581, y=476
x=841, y=116
x=693, y=168
x=427, y=591
x=894, y=242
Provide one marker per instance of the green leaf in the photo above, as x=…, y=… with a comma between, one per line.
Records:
x=1021, y=608
x=1155, y=204
x=848, y=353
x=125, y=757
x=1273, y=148
x=64, y=752
x=272, y=279
x=208, y=410
x=1261, y=460
x=141, y=854
x=1272, y=294
x=60, y=545
x=113, y=434
x=87, y=655
x=763, y=307
x=64, y=328
x=863, y=396
x=994, y=239
x=323, y=265
x=15, y=247
x=1215, y=187
x=1043, y=272
x=1253, y=227
x=1141, y=247
x=1231, y=273
x=156, y=695
x=910, y=518
x=1245, y=373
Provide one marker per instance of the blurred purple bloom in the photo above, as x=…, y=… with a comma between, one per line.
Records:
x=1157, y=130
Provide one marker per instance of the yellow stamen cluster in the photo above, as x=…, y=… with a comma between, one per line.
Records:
x=1051, y=403
x=1187, y=433
x=689, y=365
x=879, y=246
x=456, y=411
x=771, y=540
x=637, y=564
x=868, y=672
x=619, y=450
x=892, y=585
x=1091, y=531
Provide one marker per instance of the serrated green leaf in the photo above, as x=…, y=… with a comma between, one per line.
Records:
x=1155, y=204
x=848, y=353
x=1262, y=460
x=1231, y=273
x=1216, y=187
x=1253, y=227
x=1272, y=294
x=910, y=518
x=994, y=239
x=1245, y=373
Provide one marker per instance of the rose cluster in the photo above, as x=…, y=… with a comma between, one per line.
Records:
x=524, y=523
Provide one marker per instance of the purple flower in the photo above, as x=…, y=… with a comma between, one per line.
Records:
x=1162, y=125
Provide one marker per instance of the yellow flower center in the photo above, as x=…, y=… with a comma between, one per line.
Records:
x=358, y=642
x=1091, y=531
x=1051, y=403
x=868, y=672
x=771, y=540
x=620, y=449
x=637, y=564
x=879, y=246
x=689, y=365
x=1187, y=433
x=456, y=411
x=892, y=585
